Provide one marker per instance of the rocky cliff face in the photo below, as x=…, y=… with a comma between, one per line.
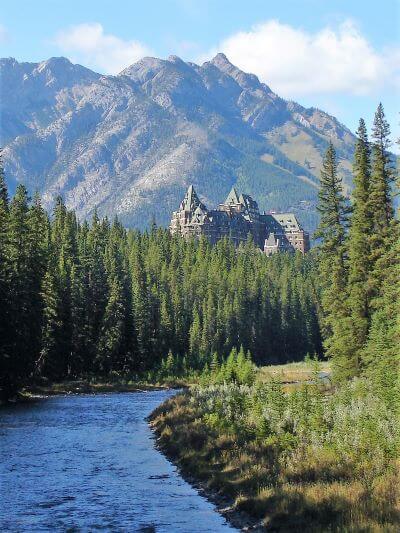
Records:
x=130, y=144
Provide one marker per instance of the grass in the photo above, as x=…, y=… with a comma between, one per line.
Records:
x=304, y=468
x=292, y=372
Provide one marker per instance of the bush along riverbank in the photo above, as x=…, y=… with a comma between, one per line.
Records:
x=303, y=460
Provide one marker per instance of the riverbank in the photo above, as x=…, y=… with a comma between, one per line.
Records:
x=191, y=472
x=291, y=461
x=32, y=392
x=88, y=387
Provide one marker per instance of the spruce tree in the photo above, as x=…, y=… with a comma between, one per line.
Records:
x=141, y=310
x=97, y=279
x=95, y=298
x=381, y=202
x=80, y=333
x=5, y=319
x=231, y=366
x=20, y=362
x=381, y=355
x=38, y=248
x=166, y=337
x=49, y=363
x=334, y=211
x=111, y=342
x=195, y=337
x=114, y=349
x=361, y=230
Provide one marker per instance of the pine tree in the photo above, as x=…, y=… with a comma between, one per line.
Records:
x=334, y=212
x=49, y=363
x=361, y=230
x=5, y=319
x=381, y=204
x=381, y=355
x=111, y=342
x=20, y=363
x=38, y=247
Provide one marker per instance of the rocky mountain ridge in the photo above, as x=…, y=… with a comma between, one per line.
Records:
x=130, y=144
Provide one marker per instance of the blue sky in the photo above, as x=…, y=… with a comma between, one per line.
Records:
x=341, y=56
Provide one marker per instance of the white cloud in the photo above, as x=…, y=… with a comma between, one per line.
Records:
x=90, y=45
x=295, y=62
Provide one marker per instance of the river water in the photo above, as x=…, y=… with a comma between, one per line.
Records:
x=89, y=462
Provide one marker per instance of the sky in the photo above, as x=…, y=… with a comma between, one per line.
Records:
x=342, y=56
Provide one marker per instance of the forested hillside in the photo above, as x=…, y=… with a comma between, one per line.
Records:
x=94, y=299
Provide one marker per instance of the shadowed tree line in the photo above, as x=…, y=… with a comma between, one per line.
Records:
x=80, y=299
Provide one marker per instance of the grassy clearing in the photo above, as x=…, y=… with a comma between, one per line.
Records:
x=292, y=372
x=297, y=461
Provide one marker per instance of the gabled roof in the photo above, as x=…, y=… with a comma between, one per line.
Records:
x=248, y=202
x=288, y=221
x=192, y=201
x=271, y=240
x=232, y=197
x=199, y=215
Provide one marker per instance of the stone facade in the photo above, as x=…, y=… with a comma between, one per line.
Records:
x=236, y=218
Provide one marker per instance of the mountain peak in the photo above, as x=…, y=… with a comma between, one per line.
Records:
x=61, y=71
x=175, y=59
x=54, y=64
x=220, y=60
x=246, y=81
x=59, y=60
x=222, y=63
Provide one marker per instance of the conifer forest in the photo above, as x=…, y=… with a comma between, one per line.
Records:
x=92, y=298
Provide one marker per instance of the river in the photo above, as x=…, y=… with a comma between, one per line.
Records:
x=89, y=462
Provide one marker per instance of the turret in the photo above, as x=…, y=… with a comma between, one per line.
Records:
x=191, y=201
x=232, y=198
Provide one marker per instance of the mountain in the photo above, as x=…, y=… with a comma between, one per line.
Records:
x=131, y=144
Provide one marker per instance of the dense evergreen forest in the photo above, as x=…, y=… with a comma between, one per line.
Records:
x=90, y=299
x=93, y=299
x=319, y=455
